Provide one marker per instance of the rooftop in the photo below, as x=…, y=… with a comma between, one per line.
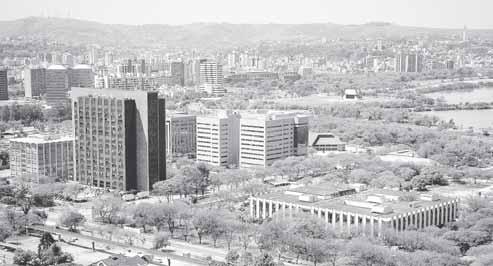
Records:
x=40, y=139
x=56, y=67
x=324, y=139
x=363, y=203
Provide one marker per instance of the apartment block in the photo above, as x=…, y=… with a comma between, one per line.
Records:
x=38, y=156
x=211, y=77
x=181, y=136
x=265, y=138
x=218, y=139
x=119, y=138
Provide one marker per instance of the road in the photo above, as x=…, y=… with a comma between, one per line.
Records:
x=118, y=248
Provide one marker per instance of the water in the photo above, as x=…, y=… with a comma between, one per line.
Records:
x=472, y=96
x=478, y=119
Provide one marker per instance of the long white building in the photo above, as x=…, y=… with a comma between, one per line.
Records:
x=368, y=212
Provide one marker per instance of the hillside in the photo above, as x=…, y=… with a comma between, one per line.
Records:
x=208, y=35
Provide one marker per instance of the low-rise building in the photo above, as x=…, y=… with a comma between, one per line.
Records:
x=369, y=212
x=42, y=156
x=326, y=142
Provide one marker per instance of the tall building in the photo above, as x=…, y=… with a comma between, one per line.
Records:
x=265, y=138
x=4, y=85
x=119, y=138
x=218, y=139
x=410, y=62
x=81, y=76
x=181, y=136
x=39, y=156
x=177, y=70
x=57, y=85
x=34, y=82
x=211, y=77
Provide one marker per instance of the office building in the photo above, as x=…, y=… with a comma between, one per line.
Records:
x=177, y=70
x=218, y=139
x=181, y=136
x=119, y=138
x=265, y=138
x=34, y=82
x=211, y=77
x=4, y=85
x=368, y=212
x=42, y=156
x=81, y=76
x=57, y=85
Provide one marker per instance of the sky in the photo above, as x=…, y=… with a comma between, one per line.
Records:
x=424, y=13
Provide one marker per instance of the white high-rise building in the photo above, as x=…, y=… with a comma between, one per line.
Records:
x=265, y=138
x=217, y=139
x=211, y=77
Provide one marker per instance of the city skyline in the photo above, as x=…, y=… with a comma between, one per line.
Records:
x=452, y=14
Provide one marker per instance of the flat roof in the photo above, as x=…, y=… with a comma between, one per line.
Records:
x=323, y=189
x=339, y=203
x=40, y=139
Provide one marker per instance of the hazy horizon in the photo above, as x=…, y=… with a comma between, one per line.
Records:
x=451, y=14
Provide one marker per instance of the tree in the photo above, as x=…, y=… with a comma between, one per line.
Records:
x=108, y=209
x=264, y=260
x=161, y=240
x=274, y=237
x=46, y=241
x=143, y=214
x=26, y=258
x=72, y=219
x=203, y=223
x=5, y=231
x=466, y=239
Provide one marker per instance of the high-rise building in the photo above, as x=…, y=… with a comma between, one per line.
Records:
x=81, y=76
x=181, y=136
x=57, y=85
x=410, y=62
x=34, y=82
x=265, y=138
x=218, y=139
x=38, y=156
x=211, y=77
x=4, y=85
x=119, y=138
x=177, y=70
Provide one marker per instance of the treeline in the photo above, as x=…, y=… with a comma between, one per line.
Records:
x=446, y=147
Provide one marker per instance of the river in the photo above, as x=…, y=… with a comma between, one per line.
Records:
x=478, y=119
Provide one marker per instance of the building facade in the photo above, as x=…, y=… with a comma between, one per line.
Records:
x=42, y=156
x=211, y=77
x=4, y=85
x=81, y=76
x=217, y=139
x=181, y=136
x=266, y=138
x=368, y=212
x=57, y=85
x=34, y=82
x=119, y=138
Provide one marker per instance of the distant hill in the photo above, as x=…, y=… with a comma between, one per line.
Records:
x=207, y=35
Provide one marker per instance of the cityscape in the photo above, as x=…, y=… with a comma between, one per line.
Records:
x=170, y=138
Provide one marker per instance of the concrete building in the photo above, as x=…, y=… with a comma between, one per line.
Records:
x=409, y=62
x=38, y=156
x=177, y=70
x=217, y=139
x=119, y=138
x=368, y=212
x=57, y=85
x=265, y=138
x=34, y=82
x=4, y=85
x=211, y=77
x=81, y=76
x=181, y=136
